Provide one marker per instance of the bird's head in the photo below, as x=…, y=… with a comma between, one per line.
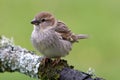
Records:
x=43, y=20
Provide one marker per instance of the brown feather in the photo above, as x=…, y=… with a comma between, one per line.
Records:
x=65, y=32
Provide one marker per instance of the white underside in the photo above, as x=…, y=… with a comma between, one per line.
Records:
x=49, y=44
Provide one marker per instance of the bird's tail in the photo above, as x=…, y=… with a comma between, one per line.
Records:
x=75, y=38
x=82, y=36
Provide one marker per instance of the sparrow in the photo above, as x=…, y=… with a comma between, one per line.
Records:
x=52, y=37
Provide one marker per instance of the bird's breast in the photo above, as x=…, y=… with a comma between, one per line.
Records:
x=43, y=40
x=49, y=44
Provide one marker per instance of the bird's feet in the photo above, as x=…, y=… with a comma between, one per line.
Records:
x=56, y=61
x=45, y=60
x=52, y=62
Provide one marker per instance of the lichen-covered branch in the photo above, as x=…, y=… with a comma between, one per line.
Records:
x=15, y=58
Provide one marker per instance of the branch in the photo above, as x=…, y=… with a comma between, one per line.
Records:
x=15, y=58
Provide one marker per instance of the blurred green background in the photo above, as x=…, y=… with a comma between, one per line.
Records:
x=98, y=18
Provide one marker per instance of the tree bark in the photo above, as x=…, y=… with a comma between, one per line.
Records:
x=15, y=58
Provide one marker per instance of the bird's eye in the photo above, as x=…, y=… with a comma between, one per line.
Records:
x=42, y=20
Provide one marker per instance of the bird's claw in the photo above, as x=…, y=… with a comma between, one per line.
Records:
x=56, y=61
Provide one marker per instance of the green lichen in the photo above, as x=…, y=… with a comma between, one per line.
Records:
x=49, y=72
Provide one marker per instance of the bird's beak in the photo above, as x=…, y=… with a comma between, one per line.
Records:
x=34, y=21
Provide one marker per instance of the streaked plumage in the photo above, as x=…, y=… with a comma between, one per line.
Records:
x=52, y=37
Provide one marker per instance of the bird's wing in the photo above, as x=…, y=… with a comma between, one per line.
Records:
x=62, y=28
x=65, y=32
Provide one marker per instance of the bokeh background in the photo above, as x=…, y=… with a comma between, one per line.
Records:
x=98, y=18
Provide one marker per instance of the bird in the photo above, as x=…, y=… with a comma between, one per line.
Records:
x=52, y=37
